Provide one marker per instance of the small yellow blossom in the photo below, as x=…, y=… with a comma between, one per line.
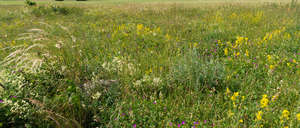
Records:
x=168, y=37
x=139, y=27
x=227, y=91
x=247, y=53
x=269, y=57
x=241, y=121
x=258, y=115
x=298, y=116
x=294, y=60
x=226, y=51
x=271, y=67
x=288, y=64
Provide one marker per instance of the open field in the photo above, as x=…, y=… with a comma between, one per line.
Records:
x=141, y=64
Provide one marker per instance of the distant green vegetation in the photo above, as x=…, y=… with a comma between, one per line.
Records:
x=150, y=65
x=95, y=2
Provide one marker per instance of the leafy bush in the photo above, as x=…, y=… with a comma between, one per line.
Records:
x=30, y=3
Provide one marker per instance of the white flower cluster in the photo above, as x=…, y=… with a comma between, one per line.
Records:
x=22, y=108
x=119, y=64
x=7, y=77
x=148, y=80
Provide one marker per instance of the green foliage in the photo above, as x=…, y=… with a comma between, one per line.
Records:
x=55, y=10
x=30, y=3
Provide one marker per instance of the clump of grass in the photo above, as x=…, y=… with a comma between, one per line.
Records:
x=198, y=72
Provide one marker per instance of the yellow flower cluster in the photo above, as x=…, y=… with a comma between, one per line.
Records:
x=233, y=97
x=264, y=101
x=285, y=114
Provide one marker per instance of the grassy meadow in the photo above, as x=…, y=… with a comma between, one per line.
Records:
x=141, y=64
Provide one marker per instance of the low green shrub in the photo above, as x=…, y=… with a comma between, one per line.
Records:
x=198, y=72
x=30, y=3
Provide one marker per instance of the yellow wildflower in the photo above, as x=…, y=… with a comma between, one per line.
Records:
x=168, y=37
x=247, y=53
x=139, y=27
x=271, y=67
x=264, y=101
x=226, y=51
x=227, y=91
x=294, y=60
x=298, y=116
x=236, y=94
x=241, y=121
x=258, y=115
x=288, y=64
x=269, y=57
x=233, y=97
x=285, y=114
x=243, y=98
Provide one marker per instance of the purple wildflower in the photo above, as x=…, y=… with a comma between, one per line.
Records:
x=12, y=96
x=170, y=123
x=196, y=122
x=1, y=101
x=154, y=102
x=134, y=125
x=123, y=114
x=179, y=125
x=182, y=122
x=205, y=121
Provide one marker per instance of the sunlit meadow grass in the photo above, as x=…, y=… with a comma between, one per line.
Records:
x=150, y=65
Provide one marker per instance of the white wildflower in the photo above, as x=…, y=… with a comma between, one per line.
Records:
x=156, y=81
x=96, y=95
